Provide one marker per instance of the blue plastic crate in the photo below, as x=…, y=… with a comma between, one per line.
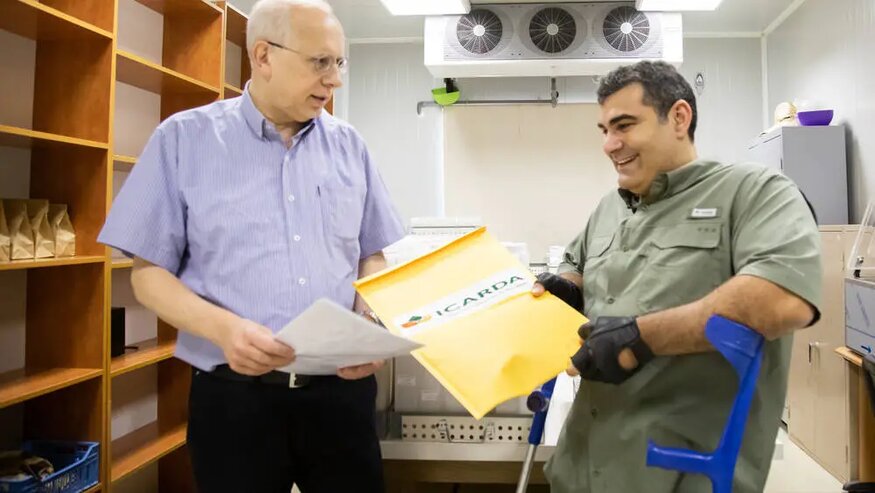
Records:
x=77, y=466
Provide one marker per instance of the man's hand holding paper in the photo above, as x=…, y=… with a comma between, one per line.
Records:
x=329, y=339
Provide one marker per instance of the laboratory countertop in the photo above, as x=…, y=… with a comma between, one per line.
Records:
x=483, y=452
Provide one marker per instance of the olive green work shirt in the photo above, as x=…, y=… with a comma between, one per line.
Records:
x=699, y=226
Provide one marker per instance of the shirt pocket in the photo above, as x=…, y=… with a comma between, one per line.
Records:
x=341, y=209
x=683, y=265
x=595, y=281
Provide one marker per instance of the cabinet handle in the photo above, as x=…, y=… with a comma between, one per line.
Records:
x=814, y=344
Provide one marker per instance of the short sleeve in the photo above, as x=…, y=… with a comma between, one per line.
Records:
x=381, y=225
x=575, y=252
x=147, y=218
x=775, y=237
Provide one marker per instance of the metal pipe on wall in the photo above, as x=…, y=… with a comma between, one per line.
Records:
x=553, y=101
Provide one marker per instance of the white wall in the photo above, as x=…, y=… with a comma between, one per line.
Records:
x=386, y=81
x=541, y=189
x=823, y=53
x=730, y=105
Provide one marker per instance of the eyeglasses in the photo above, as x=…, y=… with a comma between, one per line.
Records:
x=321, y=65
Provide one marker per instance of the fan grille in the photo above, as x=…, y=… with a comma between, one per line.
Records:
x=626, y=29
x=552, y=30
x=479, y=32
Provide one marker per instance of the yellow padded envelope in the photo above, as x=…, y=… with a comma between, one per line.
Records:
x=487, y=339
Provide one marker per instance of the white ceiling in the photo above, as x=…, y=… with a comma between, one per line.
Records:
x=369, y=19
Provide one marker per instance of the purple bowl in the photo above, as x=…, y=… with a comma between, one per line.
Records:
x=814, y=118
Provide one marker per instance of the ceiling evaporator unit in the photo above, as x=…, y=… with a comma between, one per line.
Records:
x=556, y=39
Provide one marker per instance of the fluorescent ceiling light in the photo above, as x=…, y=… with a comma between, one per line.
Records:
x=427, y=7
x=674, y=5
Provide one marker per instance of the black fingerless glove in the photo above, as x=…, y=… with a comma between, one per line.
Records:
x=597, y=359
x=563, y=289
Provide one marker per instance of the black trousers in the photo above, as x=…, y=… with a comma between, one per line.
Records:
x=255, y=437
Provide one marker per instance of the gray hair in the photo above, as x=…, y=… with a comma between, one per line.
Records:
x=271, y=20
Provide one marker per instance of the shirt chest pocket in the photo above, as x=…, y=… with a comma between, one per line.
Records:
x=341, y=208
x=595, y=279
x=341, y=211
x=684, y=263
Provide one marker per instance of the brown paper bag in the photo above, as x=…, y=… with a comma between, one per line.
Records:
x=20, y=231
x=62, y=230
x=5, y=240
x=43, y=241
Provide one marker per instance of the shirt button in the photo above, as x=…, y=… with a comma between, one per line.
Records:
x=596, y=473
x=291, y=198
x=297, y=237
x=610, y=300
x=594, y=412
x=302, y=281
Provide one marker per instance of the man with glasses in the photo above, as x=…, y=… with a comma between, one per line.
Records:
x=239, y=215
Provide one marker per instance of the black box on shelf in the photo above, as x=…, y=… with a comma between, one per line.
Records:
x=117, y=332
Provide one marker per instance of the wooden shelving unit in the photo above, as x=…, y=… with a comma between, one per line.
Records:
x=148, y=353
x=122, y=159
x=139, y=72
x=142, y=447
x=232, y=91
x=50, y=262
x=235, y=32
x=118, y=263
x=21, y=385
x=64, y=389
x=28, y=139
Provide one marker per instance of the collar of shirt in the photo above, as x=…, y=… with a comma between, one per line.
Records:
x=671, y=183
x=262, y=128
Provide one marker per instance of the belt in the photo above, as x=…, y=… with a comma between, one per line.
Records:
x=270, y=378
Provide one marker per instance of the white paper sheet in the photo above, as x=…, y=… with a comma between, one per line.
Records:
x=327, y=336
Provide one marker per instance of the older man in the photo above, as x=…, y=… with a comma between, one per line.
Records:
x=239, y=215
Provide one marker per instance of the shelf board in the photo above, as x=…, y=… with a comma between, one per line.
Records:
x=122, y=263
x=21, y=385
x=149, y=353
x=165, y=7
x=849, y=355
x=139, y=72
x=51, y=262
x=94, y=489
x=142, y=447
x=25, y=138
x=235, y=29
x=34, y=20
x=120, y=158
x=234, y=90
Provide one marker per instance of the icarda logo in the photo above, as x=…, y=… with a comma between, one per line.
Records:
x=476, y=297
x=416, y=320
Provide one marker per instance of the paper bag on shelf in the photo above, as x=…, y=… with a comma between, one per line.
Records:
x=20, y=232
x=5, y=240
x=43, y=242
x=62, y=231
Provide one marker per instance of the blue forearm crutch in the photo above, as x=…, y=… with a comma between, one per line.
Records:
x=538, y=402
x=743, y=347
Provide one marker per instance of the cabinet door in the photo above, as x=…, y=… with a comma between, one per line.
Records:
x=802, y=385
x=831, y=403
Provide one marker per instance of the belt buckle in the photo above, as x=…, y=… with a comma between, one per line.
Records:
x=295, y=382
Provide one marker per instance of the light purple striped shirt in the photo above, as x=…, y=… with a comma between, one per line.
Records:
x=247, y=224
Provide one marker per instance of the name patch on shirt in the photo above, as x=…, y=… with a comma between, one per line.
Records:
x=704, y=213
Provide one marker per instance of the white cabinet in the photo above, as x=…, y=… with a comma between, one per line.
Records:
x=818, y=393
